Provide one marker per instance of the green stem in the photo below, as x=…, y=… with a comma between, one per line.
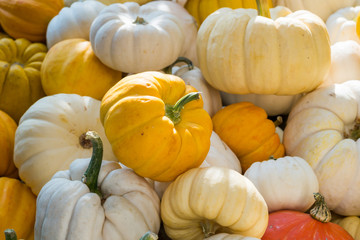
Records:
x=140, y=20
x=263, y=8
x=208, y=228
x=189, y=63
x=92, y=172
x=174, y=111
x=278, y=121
x=10, y=234
x=319, y=210
x=149, y=236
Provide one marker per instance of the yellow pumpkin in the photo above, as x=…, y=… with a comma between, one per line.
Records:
x=20, y=84
x=156, y=125
x=200, y=9
x=91, y=77
x=7, y=137
x=17, y=208
x=28, y=19
x=248, y=132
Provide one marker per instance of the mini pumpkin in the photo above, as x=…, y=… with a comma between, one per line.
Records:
x=7, y=137
x=156, y=125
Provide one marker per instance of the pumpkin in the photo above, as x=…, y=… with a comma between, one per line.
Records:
x=156, y=125
x=319, y=7
x=7, y=137
x=72, y=22
x=192, y=76
x=273, y=104
x=50, y=135
x=288, y=224
x=219, y=155
x=106, y=2
x=96, y=199
x=28, y=19
x=92, y=78
x=200, y=9
x=188, y=23
x=322, y=128
x=351, y=224
x=286, y=55
x=248, y=132
x=132, y=38
x=20, y=63
x=341, y=25
x=18, y=207
x=227, y=236
x=206, y=201
x=286, y=183
x=345, y=62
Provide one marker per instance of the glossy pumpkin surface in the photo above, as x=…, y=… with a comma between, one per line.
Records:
x=7, y=137
x=248, y=132
x=155, y=143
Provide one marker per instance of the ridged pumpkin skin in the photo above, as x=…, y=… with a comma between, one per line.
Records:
x=28, y=19
x=91, y=77
x=17, y=208
x=7, y=137
x=206, y=201
x=241, y=52
x=245, y=128
x=200, y=9
x=20, y=84
x=143, y=137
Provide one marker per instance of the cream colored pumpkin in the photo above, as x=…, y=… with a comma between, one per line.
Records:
x=341, y=25
x=273, y=104
x=319, y=7
x=287, y=55
x=72, y=22
x=286, y=183
x=206, y=201
x=345, y=63
x=50, y=135
x=227, y=236
x=106, y=2
x=132, y=38
x=322, y=129
x=219, y=155
x=67, y=209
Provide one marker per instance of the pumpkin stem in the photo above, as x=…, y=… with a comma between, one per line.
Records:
x=149, y=236
x=263, y=8
x=92, y=172
x=10, y=234
x=140, y=20
x=278, y=121
x=319, y=210
x=208, y=228
x=174, y=111
x=355, y=132
x=189, y=63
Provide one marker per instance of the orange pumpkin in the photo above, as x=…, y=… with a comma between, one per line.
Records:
x=28, y=19
x=248, y=132
x=17, y=208
x=7, y=136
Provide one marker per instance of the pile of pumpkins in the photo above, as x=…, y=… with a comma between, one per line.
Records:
x=184, y=120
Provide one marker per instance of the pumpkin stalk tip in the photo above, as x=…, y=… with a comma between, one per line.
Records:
x=319, y=210
x=174, y=111
x=10, y=234
x=92, y=172
x=263, y=8
x=189, y=63
x=149, y=236
x=140, y=20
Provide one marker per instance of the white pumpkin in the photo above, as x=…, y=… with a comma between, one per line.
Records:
x=287, y=183
x=131, y=38
x=345, y=63
x=227, y=236
x=50, y=135
x=341, y=25
x=86, y=202
x=320, y=7
x=323, y=129
x=273, y=104
x=219, y=155
x=72, y=22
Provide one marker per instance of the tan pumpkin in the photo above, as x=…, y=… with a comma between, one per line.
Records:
x=68, y=3
x=28, y=19
x=351, y=224
x=241, y=52
x=91, y=78
x=205, y=201
x=20, y=64
x=7, y=137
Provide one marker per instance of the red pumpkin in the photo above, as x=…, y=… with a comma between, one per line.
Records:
x=293, y=225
